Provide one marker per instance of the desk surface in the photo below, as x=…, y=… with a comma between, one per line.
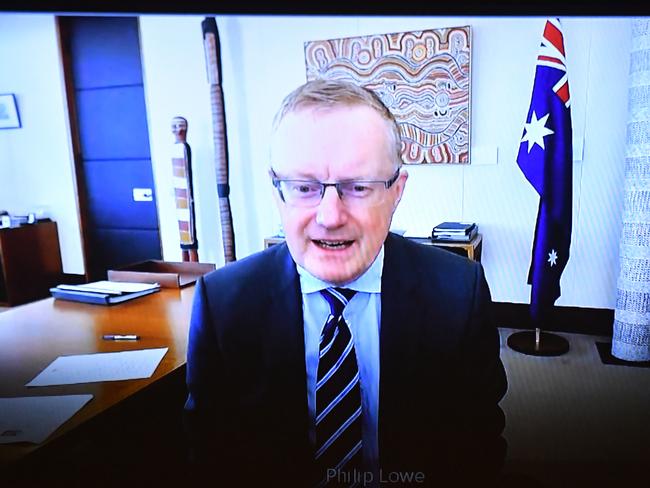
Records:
x=33, y=335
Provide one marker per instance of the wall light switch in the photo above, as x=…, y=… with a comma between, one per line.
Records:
x=142, y=195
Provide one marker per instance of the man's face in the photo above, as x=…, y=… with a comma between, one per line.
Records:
x=334, y=241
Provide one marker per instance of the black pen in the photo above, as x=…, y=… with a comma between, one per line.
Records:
x=121, y=337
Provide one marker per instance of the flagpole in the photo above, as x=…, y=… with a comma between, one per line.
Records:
x=538, y=343
x=545, y=158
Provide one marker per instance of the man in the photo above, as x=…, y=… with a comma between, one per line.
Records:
x=349, y=354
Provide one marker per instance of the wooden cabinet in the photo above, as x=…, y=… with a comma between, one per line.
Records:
x=471, y=249
x=30, y=262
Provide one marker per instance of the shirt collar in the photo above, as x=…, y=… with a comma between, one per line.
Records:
x=369, y=281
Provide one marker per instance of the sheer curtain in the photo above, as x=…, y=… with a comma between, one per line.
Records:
x=631, y=338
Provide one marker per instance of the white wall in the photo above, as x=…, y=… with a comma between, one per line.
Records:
x=36, y=169
x=263, y=60
x=176, y=84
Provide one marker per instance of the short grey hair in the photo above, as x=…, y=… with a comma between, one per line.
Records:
x=334, y=93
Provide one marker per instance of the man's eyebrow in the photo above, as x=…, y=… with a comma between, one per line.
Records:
x=296, y=176
x=309, y=177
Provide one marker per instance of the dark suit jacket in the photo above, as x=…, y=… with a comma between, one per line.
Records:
x=440, y=374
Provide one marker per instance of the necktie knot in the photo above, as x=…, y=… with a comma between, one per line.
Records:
x=337, y=298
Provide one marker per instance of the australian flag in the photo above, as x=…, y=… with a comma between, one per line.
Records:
x=545, y=157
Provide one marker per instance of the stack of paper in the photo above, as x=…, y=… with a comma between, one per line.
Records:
x=104, y=292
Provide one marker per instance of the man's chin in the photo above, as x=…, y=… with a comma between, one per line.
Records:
x=342, y=275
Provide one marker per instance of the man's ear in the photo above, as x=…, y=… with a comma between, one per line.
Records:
x=400, y=184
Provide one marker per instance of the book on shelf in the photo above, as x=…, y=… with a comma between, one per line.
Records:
x=104, y=292
x=455, y=231
x=455, y=227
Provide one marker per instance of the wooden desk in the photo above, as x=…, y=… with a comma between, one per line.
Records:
x=33, y=335
x=471, y=249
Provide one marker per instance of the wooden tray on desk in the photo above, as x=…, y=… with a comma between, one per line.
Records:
x=168, y=274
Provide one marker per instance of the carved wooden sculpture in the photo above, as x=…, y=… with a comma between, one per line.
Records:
x=213, y=64
x=183, y=193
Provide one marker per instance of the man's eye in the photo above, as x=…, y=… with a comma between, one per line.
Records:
x=303, y=188
x=358, y=189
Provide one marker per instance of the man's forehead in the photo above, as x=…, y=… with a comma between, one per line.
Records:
x=318, y=111
x=324, y=130
x=332, y=144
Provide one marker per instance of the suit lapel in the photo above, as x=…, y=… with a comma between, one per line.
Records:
x=286, y=347
x=286, y=307
x=399, y=313
x=399, y=337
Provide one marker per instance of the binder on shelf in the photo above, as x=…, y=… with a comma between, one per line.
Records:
x=457, y=227
x=444, y=238
x=104, y=292
x=454, y=231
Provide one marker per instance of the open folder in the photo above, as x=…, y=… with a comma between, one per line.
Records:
x=104, y=292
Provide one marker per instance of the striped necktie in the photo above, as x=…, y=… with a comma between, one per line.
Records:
x=338, y=397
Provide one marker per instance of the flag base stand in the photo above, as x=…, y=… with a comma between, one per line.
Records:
x=544, y=344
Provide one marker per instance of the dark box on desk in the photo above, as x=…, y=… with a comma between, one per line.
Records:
x=168, y=274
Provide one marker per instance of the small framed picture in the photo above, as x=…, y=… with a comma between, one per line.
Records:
x=9, y=118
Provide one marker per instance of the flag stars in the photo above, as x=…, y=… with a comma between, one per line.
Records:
x=535, y=131
x=552, y=257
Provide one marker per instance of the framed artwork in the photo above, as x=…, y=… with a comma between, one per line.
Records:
x=423, y=77
x=9, y=118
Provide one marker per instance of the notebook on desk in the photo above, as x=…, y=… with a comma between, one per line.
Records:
x=104, y=292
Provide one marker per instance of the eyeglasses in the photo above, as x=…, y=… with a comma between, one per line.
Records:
x=309, y=193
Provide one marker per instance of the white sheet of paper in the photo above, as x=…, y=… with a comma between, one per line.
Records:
x=33, y=419
x=111, y=287
x=104, y=366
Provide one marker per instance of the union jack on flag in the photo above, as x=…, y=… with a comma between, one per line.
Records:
x=545, y=157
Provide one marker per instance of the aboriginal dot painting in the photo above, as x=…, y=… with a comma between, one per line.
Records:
x=423, y=77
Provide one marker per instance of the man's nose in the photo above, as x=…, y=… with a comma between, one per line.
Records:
x=331, y=210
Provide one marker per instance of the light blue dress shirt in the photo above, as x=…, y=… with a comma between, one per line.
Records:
x=362, y=314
